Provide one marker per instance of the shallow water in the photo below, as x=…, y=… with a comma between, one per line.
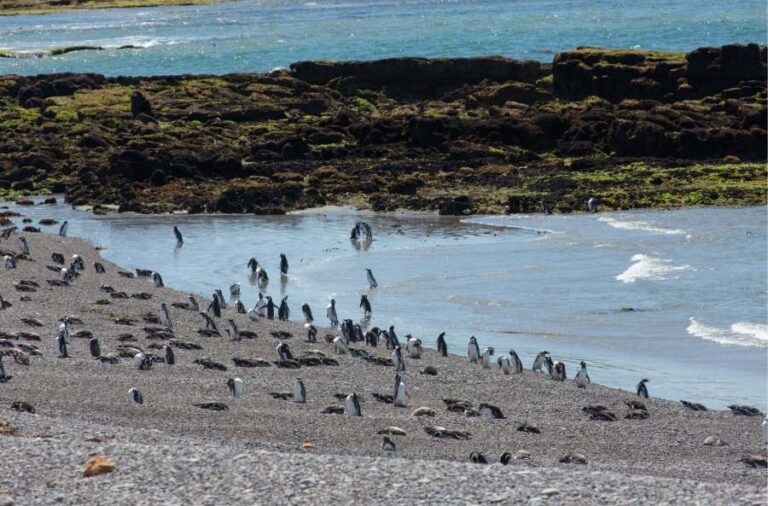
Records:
x=675, y=296
x=250, y=36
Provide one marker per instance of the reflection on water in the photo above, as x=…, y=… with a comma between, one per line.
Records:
x=619, y=290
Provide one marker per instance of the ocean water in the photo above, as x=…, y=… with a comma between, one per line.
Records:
x=249, y=36
x=678, y=296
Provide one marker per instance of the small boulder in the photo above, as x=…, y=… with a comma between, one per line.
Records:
x=140, y=104
x=98, y=464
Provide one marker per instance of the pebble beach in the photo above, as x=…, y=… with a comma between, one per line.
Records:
x=261, y=449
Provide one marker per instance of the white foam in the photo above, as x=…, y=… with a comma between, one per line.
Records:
x=648, y=267
x=739, y=333
x=642, y=226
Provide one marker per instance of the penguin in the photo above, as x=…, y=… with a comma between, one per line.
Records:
x=142, y=362
x=331, y=314
x=388, y=445
x=135, y=396
x=234, y=291
x=505, y=458
x=3, y=377
x=357, y=331
x=61, y=345
x=642, y=390
x=311, y=334
x=209, y=323
x=473, y=350
x=517, y=364
x=504, y=364
x=371, y=280
x=252, y=265
x=299, y=391
x=477, y=458
x=93, y=344
x=179, y=238
x=166, y=315
x=340, y=346
x=346, y=331
x=158, y=279
x=215, y=305
x=235, y=386
x=64, y=329
x=397, y=359
x=393, y=337
x=765, y=430
x=372, y=337
x=283, y=265
x=283, y=313
x=263, y=279
x=592, y=205
x=24, y=245
x=487, y=354
x=222, y=302
x=442, y=347
x=235, y=330
x=365, y=304
x=539, y=361
x=10, y=263
x=63, y=229
x=284, y=352
x=77, y=263
x=352, y=405
x=558, y=371
x=240, y=307
x=413, y=347
x=170, y=356
x=193, y=302
x=400, y=392
x=99, y=267
x=270, y=307
x=582, y=378
x=307, y=311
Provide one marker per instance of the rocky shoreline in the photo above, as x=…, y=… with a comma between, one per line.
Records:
x=35, y=7
x=81, y=407
x=460, y=136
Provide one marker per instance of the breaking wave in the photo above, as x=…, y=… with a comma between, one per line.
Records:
x=739, y=334
x=648, y=267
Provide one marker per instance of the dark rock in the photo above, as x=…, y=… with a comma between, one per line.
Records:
x=140, y=104
x=457, y=207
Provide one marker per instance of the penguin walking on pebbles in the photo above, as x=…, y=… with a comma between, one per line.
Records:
x=442, y=346
x=166, y=315
x=397, y=359
x=473, y=350
x=135, y=396
x=61, y=345
x=582, y=378
x=158, y=279
x=142, y=362
x=504, y=364
x=413, y=347
x=235, y=330
x=311, y=334
x=642, y=390
x=299, y=391
x=487, y=354
x=235, y=386
x=10, y=262
x=271, y=306
x=24, y=245
x=540, y=361
x=170, y=357
x=558, y=371
x=514, y=360
x=340, y=346
x=352, y=405
x=215, y=306
x=400, y=392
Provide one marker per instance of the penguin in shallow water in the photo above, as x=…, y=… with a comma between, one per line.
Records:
x=235, y=386
x=307, y=312
x=371, y=280
x=179, y=238
x=263, y=278
x=283, y=265
x=253, y=265
x=352, y=405
x=397, y=359
x=299, y=391
x=283, y=313
x=400, y=392
x=24, y=245
x=330, y=312
x=135, y=396
x=166, y=315
x=514, y=360
x=234, y=291
x=413, y=347
x=365, y=304
x=582, y=378
x=540, y=361
x=487, y=354
x=642, y=390
x=473, y=350
x=158, y=279
x=284, y=352
x=442, y=346
x=63, y=229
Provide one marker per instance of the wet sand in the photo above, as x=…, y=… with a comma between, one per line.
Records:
x=73, y=395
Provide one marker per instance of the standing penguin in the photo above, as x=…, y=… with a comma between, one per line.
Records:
x=371, y=280
x=372, y=337
x=63, y=229
x=397, y=359
x=592, y=205
x=222, y=302
x=234, y=291
x=93, y=344
x=24, y=245
x=487, y=354
x=352, y=405
x=504, y=364
x=3, y=377
x=235, y=386
x=142, y=362
x=413, y=347
x=582, y=378
x=299, y=391
x=271, y=306
x=399, y=391
x=179, y=238
x=307, y=311
x=166, y=315
x=558, y=371
x=261, y=306
x=283, y=265
x=240, y=307
x=263, y=279
x=642, y=390
x=393, y=336
x=311, y=334
x=473, y=350
x=340, y=346
x=215, y=305
x=442, y=346
x=366, y=305
x=284, y=352
x=10, y=263
x=235, y=330
x=331, y=314
x=253, y=265
x=388, y=446
x=540, y=361
x=283, y=313
x=170, y=356
x=135, y=396
x=517, y=364
x=193, y=302
x=61, y=345
x=158, y=279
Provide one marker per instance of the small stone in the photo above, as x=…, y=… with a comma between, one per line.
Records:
x=98, y=464
x=6, y=500
x=522, y=455
x=714, y=441
x=550, y=492
x=6, y=429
